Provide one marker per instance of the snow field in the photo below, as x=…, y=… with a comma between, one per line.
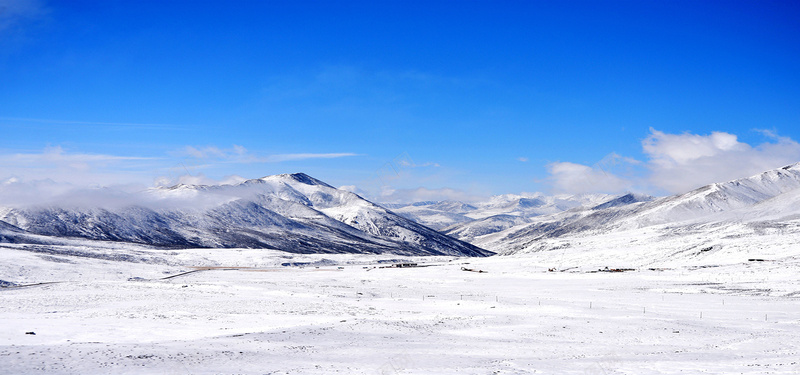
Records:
x=516, y=318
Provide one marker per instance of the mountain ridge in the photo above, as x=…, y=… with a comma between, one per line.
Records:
x=720, y=203
x=289, y=212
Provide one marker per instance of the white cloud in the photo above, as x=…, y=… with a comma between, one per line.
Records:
x=572, y=178
x=19, y=193
x=239, y=154
x=408, y=163
x=522, y=159
x=57, y=155
x=202, y=153
x=187, y=166
x=194, y=160
x=358, y=190
x=676, y=163
x=77, y=168
x=681, y=162
x=677, y=149
x=351, y=188
x=402, y=180
x=391, y=195
x=213, y=152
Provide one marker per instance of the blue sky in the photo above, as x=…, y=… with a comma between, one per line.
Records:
x=402, y=100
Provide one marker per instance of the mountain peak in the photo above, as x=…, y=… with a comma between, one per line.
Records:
x=297, y=177
x=792, y=166
x=622, y=200
x=306, y=179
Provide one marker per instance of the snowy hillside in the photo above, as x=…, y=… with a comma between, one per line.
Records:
x=291, y=212
x=743, y=208
x=536, y=204
x=437, y=214
x=508, y=211
x=704, y=282
x=450, y=215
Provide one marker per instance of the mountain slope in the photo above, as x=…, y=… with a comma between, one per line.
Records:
x=472, y=230
x=294, y=213
x=448, y=216
x=774, y=193
x=624, y=200
x=437, y=214
x=561, y=206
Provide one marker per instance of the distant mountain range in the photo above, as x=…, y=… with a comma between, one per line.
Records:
x=447, y=215
x=290, y=212
x=754, y=215
x=755, y=200
x=470, y=221
x=748, y=214
x=296, y=213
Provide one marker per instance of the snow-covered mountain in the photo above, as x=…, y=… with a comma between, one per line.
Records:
x=738, y=208
x=447, y=215
x=469, y=231
x=536, y=204
x=290, y=212
x=624, y=200
x=434, y=214
x=300, y=214
x=561, y=206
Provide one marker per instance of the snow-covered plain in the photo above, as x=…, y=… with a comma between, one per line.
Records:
x=107, y=316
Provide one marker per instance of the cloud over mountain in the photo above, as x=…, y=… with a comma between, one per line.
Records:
x=675, y=163
x=680, y=162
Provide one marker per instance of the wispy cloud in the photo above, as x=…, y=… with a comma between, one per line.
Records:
x=404, y=162
x=55, y=173
x=213, y=152
x=193, y=161
x=391, y=195
x=409, y=164
x=56, y=156
x=13, y=13
x=304, y=156
x=57, y=164
x=130, y=125
x=239, y=154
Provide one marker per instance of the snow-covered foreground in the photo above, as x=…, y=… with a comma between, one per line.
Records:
x=515, y=318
